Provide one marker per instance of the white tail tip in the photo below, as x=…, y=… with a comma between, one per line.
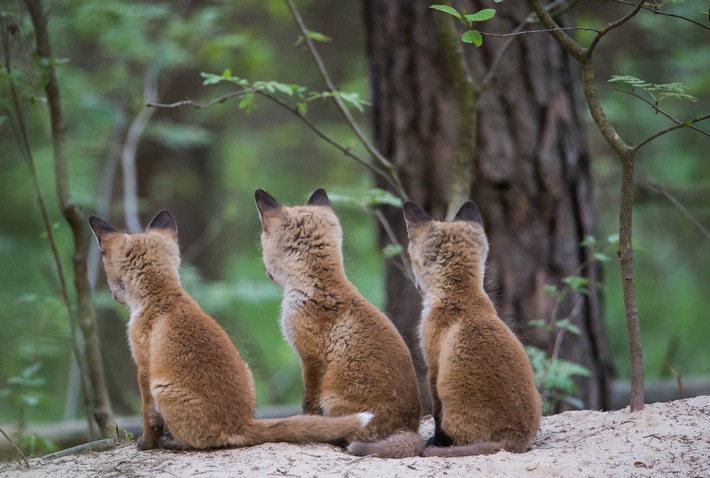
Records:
x=365, y=417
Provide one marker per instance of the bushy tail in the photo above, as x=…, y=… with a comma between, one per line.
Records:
x=300, y=429
x=400, y=445
x=480, y=448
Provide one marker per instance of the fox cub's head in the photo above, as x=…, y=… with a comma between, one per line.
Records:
x=298, y=241
x=137, y=263
x=444, y=254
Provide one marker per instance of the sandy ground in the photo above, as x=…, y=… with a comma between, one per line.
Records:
x=665, y=439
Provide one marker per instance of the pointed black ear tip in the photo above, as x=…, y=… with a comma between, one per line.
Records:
x=469, y=212
x=413, y=212
x=163, y=220
x=99, y=225
x=319, y=198
x=264, y=199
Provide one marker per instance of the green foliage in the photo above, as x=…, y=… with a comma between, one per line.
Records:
x=657, y=91
x=472, y=35
x=554, y=379
x=25, y=393
x=301, y=93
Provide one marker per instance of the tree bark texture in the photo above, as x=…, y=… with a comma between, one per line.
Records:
x=531, y=177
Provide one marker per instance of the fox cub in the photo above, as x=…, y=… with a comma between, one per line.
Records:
x=353, y=359
x=196, y=391
x=484, y=395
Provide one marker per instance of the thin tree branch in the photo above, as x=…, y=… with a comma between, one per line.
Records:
x=669, y=129
x=20, y=128
x=315, y=128
x=614, y=25
x=626, y=155
x=103, y=413
x=130, y=149
x=684, y=212
x=515, y=33
x=571, y=46
x=383, y=162
x=658, y=110
x=387, y=227
x=17, y=448
x=660, y=12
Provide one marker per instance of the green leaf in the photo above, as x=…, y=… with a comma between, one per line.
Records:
x=319, y=37
x=567, y=325
x=284, y=88
x=377, y=196
x=392, y=250
x=589, y=241
x=537, y=323
x=472, y=36
x=247, y=103
x=551, y=290
x=302, y=108
x=446, y=9
x=601, y=257
x=210, y=78
x=576, y=283
x=482, y=15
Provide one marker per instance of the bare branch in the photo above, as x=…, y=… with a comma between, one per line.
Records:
x=17, y=448
x=130, y=148
x=571, y=46
x=614, y=25
x=658, y=11
x=406, y=266
x=684, y=212
x=672, y=128
x=515, y=33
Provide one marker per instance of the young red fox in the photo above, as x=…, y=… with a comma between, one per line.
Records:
x=352, y=356
x=484, y=395
x=196, y=391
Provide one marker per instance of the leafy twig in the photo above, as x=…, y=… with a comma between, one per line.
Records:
x=316, y=129
x=384, y=163
x=687, y=124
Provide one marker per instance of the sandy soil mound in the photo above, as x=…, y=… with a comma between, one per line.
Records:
x=665, y=439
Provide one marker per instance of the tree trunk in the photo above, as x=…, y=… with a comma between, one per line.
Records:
x=531, y=178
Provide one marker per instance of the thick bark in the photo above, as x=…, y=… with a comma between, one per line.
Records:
x=531, y=177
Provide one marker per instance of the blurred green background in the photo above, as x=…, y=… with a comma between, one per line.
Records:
x=204, y=164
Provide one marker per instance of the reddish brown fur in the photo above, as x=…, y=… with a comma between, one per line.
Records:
x=352, y=356
x=481, y=380
x=191, y=377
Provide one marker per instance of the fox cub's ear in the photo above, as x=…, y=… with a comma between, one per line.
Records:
x=319, y=198
x=164, y=220
x=265, y=203
x=100, y=227
x=469, y=212
x=414, y=214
